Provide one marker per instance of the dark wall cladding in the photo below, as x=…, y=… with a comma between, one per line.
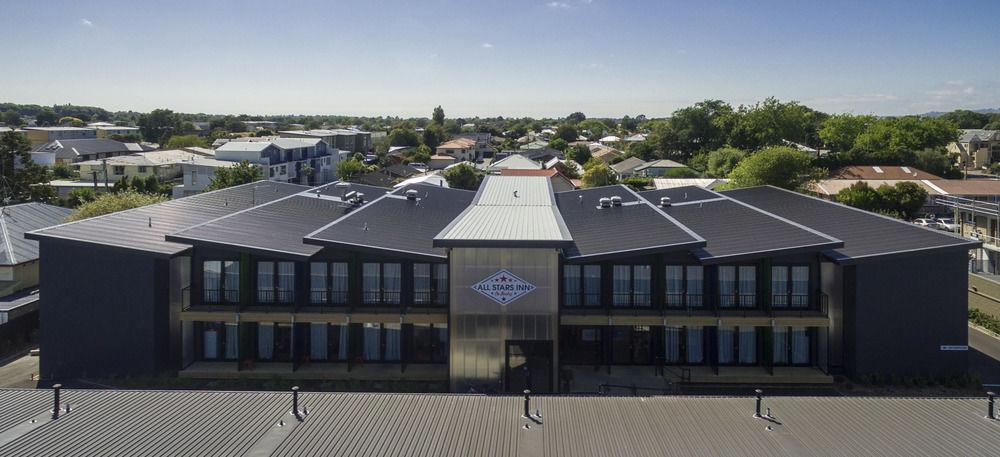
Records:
x=904, y=309
x=98, y=313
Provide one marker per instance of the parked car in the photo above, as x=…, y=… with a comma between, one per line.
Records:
x=946, y=223
x=931, y=223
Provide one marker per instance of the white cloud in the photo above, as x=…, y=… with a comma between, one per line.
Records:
x=487, y=45
x=557, y=5
x=86, y=22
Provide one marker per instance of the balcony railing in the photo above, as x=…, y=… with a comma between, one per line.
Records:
x=737, y=301
x=381, y=297
x=818, y=306
x=793, y=301
x=684, y=301
x=632, y=300
x=218, y=297
x=584, y=300
x=271, y=296
x=328, y=297
x=429, y=298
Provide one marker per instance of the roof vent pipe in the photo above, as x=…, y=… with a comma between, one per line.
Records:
x=342, y=188
x=55, y=400
x=605, y=202
x=759, y=393
x=411, y=194
x=616, y=201
x=991, y=413
x=527, y=403
x=295, y=403
x=665, y=202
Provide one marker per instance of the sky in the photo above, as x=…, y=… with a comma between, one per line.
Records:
x=511, y=58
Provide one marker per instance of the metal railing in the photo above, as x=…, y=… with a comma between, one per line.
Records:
x=790, y=301
x=271, y=296
x=819, y=306
x=219, y=297
x=430, y=298
x=381, y=297
x=632, y=300
x=737, y=301
x=684, y=301
x=582, y=300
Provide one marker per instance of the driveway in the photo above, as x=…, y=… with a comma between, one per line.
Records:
x=984, y=356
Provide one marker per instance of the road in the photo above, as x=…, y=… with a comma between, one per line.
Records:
x=18, y=372
x=984, y=356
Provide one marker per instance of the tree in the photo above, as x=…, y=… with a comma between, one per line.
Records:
x=894, y=141
x=438, y=116
x=643, y=150
x=965, y=119
x=595, y=128
x=463, y=176
x=420, y=154
x=578, y=153
x=433, y=136
x=46, y=117
x=63, y=171
x=567, y=170
x=79, y=196
x=599, y=175
x=566, y=132
x=840, y=131
x=71, y=121
x=185, y=141
x=311, y=124
x=722, y=161
x=700, y=127
x=151, y=185
x=771, y=122
x=23, y=179
x=779, y=166
x=11, y=119
x=348, y=169
x=638, y=182
x=902, y=200
x=936, y=162
x=860, y=195
x=113, y=202
x=558, y=144
x=159, y=125
x=403, y=137
x=241, y=173
x=576, y=118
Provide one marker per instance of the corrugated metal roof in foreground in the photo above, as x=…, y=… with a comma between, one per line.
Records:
x=144, y=228
x=864, y=234
x=509, y=211
x=236, y=423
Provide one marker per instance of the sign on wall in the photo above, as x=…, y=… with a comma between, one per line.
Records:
x=503, y=287
x=954, y=347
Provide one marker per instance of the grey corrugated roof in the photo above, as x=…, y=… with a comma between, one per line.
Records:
x=629, y=164
x=679, y=194
x=15, y=220
x=635, y=227
x=395, y=224
x=509, y=209
x=109, y=422
x=864, y=234
x=70, y=149
x=144, y=228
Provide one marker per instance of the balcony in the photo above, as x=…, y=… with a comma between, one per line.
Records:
x=381, y=298
x=640, y=300
x=222, y=300
x=429, y=299
x=800, y=305
x=273, y=300
x=686, y=304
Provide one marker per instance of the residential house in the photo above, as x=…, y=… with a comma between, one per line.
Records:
x=401, y=171
x=197, y=173
x=704, y=183
x=610, y=139
x=165, y=165
x=343, y=139
x=483, y=140
x=976, y=148
x=893, y=172
x=514, y=162
x=41, y=135
x=459, y=148
x=284, y=159
x=105, y=131
x=658, y=168
x=73, y=151
x=606, y=153
x=253, y=126
x=636, y=138
x=626, y=168
x=440, y=162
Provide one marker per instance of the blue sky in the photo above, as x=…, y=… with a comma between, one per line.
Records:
x=511, y=58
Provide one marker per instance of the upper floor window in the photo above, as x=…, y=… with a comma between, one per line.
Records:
x=430, y=284
x=221, y=281
x=631, y=285
x=737, y=286
x=275, y=282
x=582, y=285
x=381, y=283
x=328, y=283
x=685, y=285
x=790, y=286
x=142, y=169
x=118, y=170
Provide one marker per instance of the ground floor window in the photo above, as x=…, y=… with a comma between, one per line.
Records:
x=327, y=342
x=380, y=342
x=792, y=346
x=219, y=341
x=683, y=345
x=274, y=342
x=631, y=345
x=737, y=345
x=429, y=343
x=581, y=345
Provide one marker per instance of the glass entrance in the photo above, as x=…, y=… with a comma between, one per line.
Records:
x=529, y=366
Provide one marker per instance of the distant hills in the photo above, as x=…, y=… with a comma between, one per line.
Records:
x=983, y=111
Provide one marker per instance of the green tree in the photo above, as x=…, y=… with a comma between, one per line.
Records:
x=71, y=121
x=594, y=127
x=840, y=131
x=311, y=124
x=860, y=195
x=568, y=171
x=771, y=122
x=643, y=150
x=23, y=179
x=902, y=200
x=576, y=118
x=965, y=119
x=779, y=166
x=558, y=144
x=185, y=141
x=113, y=202
x=241, y=173
x=463, y=176
x=151, y=185
x=936, y=162
x=79, y=196
x=578, y=153
x=137, y=184
x=63, y=171
x=403, y=137
x=433, y=136
x=159, y=125
x=638, y=182
x=349, y=169
x=420, y=154
x=11, y=119
x=722, y=161
x=566, y=132
x=599, y=175
x=700, y=127
x=438, y=116
x=46, y=117
x=893, y=141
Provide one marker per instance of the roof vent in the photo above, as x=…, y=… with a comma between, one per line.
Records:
x=616, y=200
x=605, y=202
x=359, y=198
x=664, y=201
x=411, y=194
x=342, y=188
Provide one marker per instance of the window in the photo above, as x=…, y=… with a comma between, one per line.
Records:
x=118, y=170
x=429, y=344
x=790, y=286
x=631, y=285
x=318, y=282
x=219, y=341
x=582, y=285
x=273, y=170
x=631, y=345
x=381, y=283
x=737, y=345
x=274, y=342
x=792, y=346
x=737, y=286
x=581, y=345
x=142, y=169
x=430, y=284
x=275, y=282
x=194, y=177
x=684, y=286
x=327, y=342
x=221, y=281
x=381, y=342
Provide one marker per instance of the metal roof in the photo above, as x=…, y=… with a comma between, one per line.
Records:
x=15, y=220
x=18, y=299
x=144, y=228
x=864, y=234
x=683, y=194
x=635, y=227
x=509, y=210
x=168, y=423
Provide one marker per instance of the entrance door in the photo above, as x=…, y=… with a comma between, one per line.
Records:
x=529, y=366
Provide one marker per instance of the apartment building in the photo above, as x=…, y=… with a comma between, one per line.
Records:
x=74, y=151
x=351, y=140
x=511, y=287
x=108, y=131
x=42, y=135
x=286, y=159
x=976, y=148
x=164, y=164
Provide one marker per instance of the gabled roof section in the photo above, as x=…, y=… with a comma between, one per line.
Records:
x=865, y=235
x=395, y=225
x=634, y=228
x=144, y=228
x=515, y=161
x=509, y=211
x=864, y=172
x=16, y=220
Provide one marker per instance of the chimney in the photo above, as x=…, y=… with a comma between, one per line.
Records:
x=527, y=403
x=605, y=202
x=295, y=403
x=55, y=404
x=411, y=194
x=665, y=202
x=616, y=201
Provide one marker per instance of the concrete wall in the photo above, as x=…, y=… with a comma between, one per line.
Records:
x=902, y=310
x=103, y=312
x=479, y=326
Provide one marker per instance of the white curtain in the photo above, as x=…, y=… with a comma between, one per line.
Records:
x=800, y=286
x=800, y=345
x=393, y=282
x=642, y=285
x=592, y=285
x=372, y=350
x=210, y=344
x=317, y=281
x=342, y=347
x=265, y=282
x=392, y=337
x=571, y=285
x=232, y=284
x=371, y=277
x=748, y=345
x=232, y=341
x=695, y=285
x=675, y=285
x=726, y=345
x=779, y=286
x=338, y=286
x=695, y=352
x=727, y=286
x=748, y=286
x=622, y=284
x=212, y=273
x=780, y=345
x=318, y=341
x=672, y=344
x=265, y=341
x=286, y=281
x=421, y=283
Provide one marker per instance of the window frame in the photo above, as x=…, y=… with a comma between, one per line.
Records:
x=278, y=295
x=585, y=299
x=224, y=295
x=330, y=295
x=686, y=295
x=630, y=297
x=789, y=293
x=736, y=298
x=435, y=295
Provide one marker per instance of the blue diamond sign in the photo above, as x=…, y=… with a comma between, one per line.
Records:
x=503, y=287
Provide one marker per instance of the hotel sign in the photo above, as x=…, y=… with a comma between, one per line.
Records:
x=503, y=287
